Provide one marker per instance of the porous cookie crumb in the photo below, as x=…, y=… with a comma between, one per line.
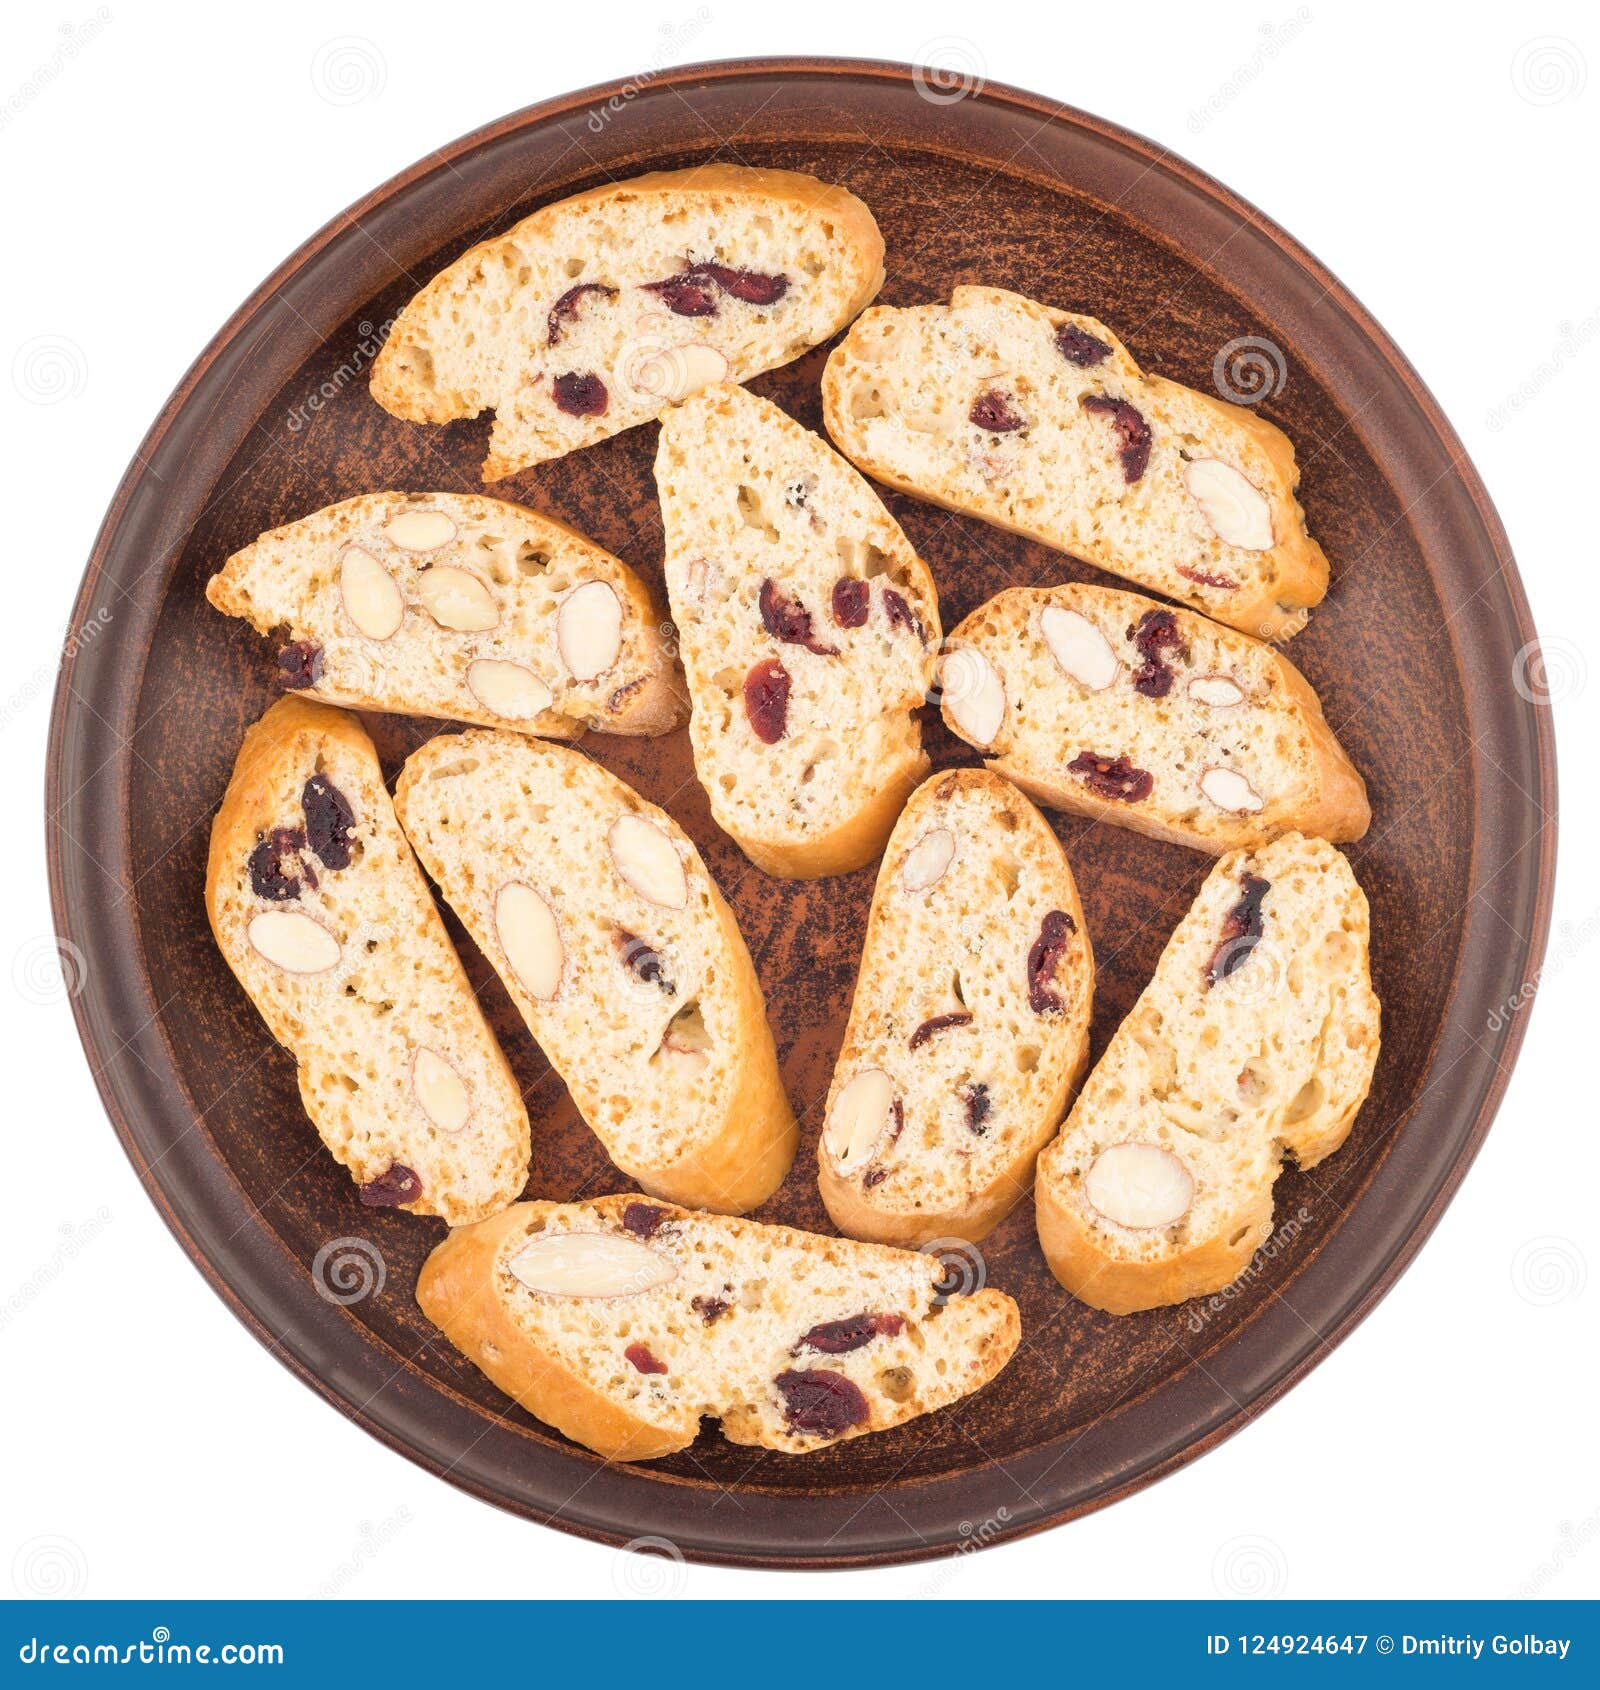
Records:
x=1110, y=705
x=460, y=606
x=612, y=939
x=970, y=1023
x=625, y=1329
x=1254, y=1041
x=320, y=909
x=600, y=311
x=808, y=627
x=1040, y=420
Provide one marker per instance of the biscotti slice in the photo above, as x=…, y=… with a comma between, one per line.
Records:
x=623, y=1323
x=1254, y=1041
x=1039, y=420
x=456, y=605
x=612, y=939
x=597, y=312
x=807, y=626
x=321, y=911
x=970, y=1025
x=1109, y=705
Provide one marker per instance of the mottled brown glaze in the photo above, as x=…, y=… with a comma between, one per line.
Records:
x=1003, y=188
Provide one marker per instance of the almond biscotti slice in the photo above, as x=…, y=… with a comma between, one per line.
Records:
x=1105, y=704
x=1254, y=1041
x=456, y=605
x=1040, y=421
x=970, y=1024
x=597, y=312
x=808, y=628
x=612, y=939
x=623, y=1323
x=321, y=911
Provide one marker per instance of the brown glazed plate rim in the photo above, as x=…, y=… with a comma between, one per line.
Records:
x=119, y=1020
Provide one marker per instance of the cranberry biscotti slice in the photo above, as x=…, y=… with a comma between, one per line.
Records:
x=1109, y=705
x=613, y=941
x=320, y=909
x=597, y=312
x=1255, y=1041
x=456, y=605
x=623, y=1323
x=1040, y=421
x=807, y=626
x=970, y=1024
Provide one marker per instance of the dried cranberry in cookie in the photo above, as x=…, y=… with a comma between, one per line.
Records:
x=820, y=1401
x=277, y=871
x=839, y=1337
x=395, y=1187
x=300, y=664
x=1044, y=959
x=580, y=393
x=330, y=822
x=851, y=601
x=1158, y=640
x=788, y=620
x=993, y=412
x=1131, y=430
x=1113, y=778
x=1241, y=930
x=766, y=700
x=1079, y=347
x=570, y=305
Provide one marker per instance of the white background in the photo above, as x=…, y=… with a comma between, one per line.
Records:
x=159, y=161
